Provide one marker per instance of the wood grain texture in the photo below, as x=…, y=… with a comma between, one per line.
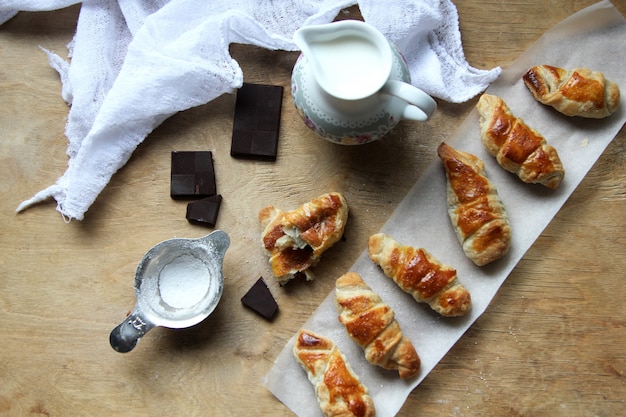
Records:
x=552, y=343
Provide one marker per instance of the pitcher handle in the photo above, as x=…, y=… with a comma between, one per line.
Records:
x=125, y=336
x=420, y=106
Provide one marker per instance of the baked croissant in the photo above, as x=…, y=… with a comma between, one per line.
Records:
x=578, y=92
x=478, y=216
x=517, y=148
x=418, y=273
x=338, y=390
x=372, y=325
x=295, y=240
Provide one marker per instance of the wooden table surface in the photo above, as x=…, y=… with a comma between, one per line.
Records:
x=552, y=343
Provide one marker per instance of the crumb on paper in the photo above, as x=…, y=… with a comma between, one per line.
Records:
x=584, y=143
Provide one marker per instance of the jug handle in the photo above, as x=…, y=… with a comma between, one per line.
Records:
x=420, y=105
x=125, y=336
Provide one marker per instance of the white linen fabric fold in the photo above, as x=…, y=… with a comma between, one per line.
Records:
x=134, y=63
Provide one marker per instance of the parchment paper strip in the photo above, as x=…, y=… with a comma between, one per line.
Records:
x=593, y=38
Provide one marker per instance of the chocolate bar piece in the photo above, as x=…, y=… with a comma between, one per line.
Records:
x=257, y=121
x=204, y=211
x=193, y=175
x=260, y=299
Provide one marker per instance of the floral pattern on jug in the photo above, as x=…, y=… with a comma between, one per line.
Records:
x=316, y=109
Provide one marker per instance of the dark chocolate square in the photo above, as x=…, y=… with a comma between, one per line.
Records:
x=204, y=211
x=257, y=121
x=260, y=299
x=193, y=175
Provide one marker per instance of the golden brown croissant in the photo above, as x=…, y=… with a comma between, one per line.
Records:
x=478, y=216
x=517, y=148
x=295, y=240
x=339, y=391
x=372, y=325
x=418, y=273
x=578, y=92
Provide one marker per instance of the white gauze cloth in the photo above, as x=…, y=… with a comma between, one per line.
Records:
x=134, y=63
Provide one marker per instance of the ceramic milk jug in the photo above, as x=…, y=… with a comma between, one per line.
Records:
x=350, y=85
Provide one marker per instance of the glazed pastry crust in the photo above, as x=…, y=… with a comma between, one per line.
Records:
x=372, y=325
x=517, y=148
x=578, y=92
x=339, y=391
x=478, y=216
x=295, y=240
x=420, y=274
